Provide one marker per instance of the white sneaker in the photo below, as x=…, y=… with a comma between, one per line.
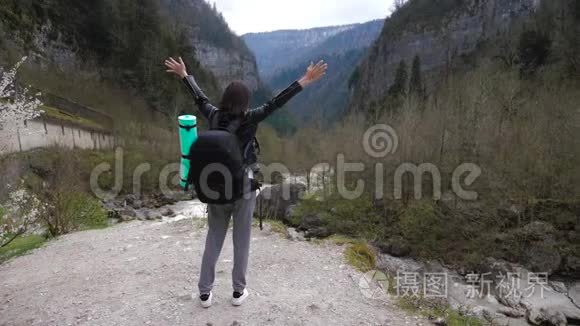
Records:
x=239, y=298
x=205, y=299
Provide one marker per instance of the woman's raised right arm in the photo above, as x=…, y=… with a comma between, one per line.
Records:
x=179, y=68
x=313, y=74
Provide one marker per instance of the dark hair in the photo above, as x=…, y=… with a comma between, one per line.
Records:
x=236, y=98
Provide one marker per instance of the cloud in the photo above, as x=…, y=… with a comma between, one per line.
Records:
x=268, y=15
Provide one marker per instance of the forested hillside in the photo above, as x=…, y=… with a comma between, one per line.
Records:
x=488, y=83
x=447, y=35
x=341, y=47
x=281, y=49
x=107, y=56
x=85, y=47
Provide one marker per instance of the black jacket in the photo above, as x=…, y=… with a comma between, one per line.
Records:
x=247, y=131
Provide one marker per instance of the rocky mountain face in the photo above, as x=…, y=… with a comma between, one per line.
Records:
x=123, y=43
x=341, y=47
x=216, y=48
x=228, y=65
x=439, y=32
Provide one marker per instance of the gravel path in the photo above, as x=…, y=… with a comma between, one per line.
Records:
x=144, y=273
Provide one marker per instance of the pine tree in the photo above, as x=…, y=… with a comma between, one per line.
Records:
x=533, y=51
x=399, y=86
x=416, y=82
x=572, y=37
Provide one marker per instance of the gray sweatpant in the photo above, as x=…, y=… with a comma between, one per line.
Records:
x=218, y=220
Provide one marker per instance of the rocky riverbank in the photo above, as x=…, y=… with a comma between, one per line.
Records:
x=177, y=205
x=543, y=289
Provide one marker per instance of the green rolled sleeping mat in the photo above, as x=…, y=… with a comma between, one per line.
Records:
x=187, y=136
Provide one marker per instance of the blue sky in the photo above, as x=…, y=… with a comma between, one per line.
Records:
x=244, y=16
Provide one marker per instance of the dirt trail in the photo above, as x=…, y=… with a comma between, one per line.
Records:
x=143, y=273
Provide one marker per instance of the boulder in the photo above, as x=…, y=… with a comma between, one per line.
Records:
x=511, y=312
x=395, y=246
x=295, y=235
x=310, y=222
x=158, y=200
x=506, y=277
x=574, y=294
x=543, y=304
x=141, y=214
x=318, y=232
x=392, y=265
x=571, y=266
x=152, y=214
x=509, y=214
x=314, y=226
x=126, y=218
x=137, y=204
x=114, y=214
x=127, y=211
x=559, y=286
x=541, y=254
x=273, y=201
x=546, y=317
x=166, y=211
x=131, y=199
x=289, y=213
x=111, y=205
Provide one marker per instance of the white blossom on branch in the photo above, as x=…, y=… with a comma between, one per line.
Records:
x=19, y=215
x=16, y=105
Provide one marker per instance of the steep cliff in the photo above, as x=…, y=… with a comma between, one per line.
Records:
x=440, y=32
x=77, y=47
x=216, y=47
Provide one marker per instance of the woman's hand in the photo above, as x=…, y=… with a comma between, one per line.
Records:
x=313, y=73
x=175, y=67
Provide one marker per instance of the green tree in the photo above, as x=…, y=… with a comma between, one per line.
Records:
x=416, y=83
x=558, y=21
x=399, y=86
x=572, y=36
x=534, y=50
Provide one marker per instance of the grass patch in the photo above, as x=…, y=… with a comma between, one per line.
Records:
x=84, y=210
x=360, y=256
x=21, y=246
x=352, y=218
x=455, y=319
x=74, y=211
x=278, y=227
x=340, y=240
x=55, y=113
x=434, y=310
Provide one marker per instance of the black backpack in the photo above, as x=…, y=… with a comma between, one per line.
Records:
x=217, y=165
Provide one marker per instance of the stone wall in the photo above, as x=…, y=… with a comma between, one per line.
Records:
x=44, y=133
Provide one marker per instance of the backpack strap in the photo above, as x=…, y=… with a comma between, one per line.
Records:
x=232, y=126
x=188, y=128
x=257, y=146
x=251, y=144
